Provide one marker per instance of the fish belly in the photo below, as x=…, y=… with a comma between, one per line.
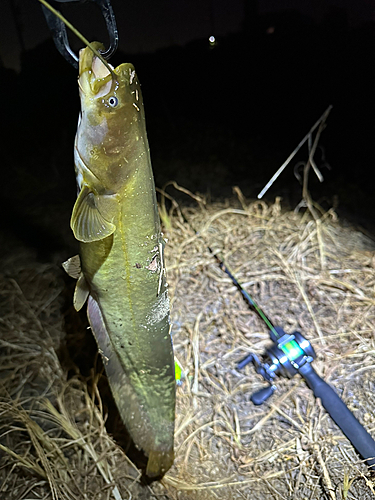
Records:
x=128, y=310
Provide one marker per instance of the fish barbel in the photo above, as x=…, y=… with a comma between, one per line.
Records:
x=121, y=270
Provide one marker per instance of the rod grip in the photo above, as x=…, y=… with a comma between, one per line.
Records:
x=341, y=415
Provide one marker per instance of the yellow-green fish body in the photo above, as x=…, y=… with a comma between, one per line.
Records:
x=122, y=266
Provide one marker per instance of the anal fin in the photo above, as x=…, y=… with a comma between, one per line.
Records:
x=99, y=330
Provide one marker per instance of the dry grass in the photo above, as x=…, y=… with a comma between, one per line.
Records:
x=314, y=276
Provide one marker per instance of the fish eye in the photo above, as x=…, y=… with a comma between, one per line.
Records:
x=113, y=101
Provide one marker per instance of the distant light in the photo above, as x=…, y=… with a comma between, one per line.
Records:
x=212, y=40
x=270, y=30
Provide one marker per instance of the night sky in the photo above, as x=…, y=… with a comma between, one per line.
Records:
x=146, y=25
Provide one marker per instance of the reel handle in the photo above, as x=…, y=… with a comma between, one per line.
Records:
x=341, y=415
x=261, y=396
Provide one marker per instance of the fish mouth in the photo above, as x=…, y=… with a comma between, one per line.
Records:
x=95, y=79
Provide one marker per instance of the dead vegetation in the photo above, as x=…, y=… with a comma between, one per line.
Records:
x=308, y=274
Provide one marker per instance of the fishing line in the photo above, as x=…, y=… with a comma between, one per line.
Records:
x=253, y=305
x=78, y=34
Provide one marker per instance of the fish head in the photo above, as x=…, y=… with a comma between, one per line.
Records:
x=112, y=119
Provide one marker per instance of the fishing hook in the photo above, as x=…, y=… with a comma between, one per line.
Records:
x=60, y=37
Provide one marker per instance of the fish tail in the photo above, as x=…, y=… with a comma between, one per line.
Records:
x=159, y=462
x=152, y=429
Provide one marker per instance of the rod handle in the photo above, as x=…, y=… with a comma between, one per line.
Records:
x=341, y=415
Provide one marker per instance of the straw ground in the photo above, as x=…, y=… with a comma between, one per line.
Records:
x=308, y=274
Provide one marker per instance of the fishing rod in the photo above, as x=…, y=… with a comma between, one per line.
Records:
x=288, y=355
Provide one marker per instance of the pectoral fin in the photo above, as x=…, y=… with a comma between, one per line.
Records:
x=87, y=221
x=72, y=266
x=81, y=293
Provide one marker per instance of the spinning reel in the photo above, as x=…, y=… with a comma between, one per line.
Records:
x=292, y=354
x=285, y=357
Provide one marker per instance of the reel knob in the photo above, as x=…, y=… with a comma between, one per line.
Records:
x=261, y=396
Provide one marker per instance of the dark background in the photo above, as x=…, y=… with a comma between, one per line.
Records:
x=217, y=116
